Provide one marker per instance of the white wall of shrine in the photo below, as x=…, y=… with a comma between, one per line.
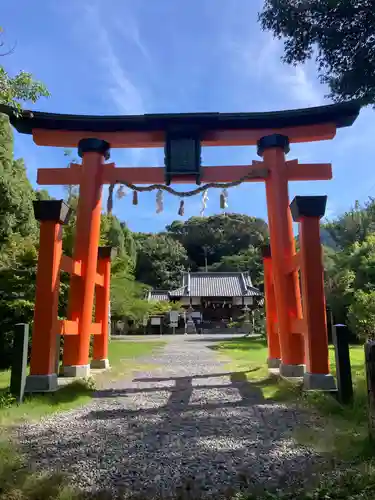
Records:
x=236, y=301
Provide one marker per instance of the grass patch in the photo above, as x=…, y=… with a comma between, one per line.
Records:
x=123, y=358
x=37, y=406
x=341, y=432
x=245, y=354
x=345, y=433
x=351, y=484
x=17, y=481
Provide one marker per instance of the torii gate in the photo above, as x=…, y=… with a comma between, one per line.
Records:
x=296, y=328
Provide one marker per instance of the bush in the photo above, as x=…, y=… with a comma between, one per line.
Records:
x=7, y=400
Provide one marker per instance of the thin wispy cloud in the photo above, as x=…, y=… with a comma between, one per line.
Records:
x=125, y=93
x=123, y=82
x=131, y=33
x=295, y=81
x=258, y=60
x=301, y=87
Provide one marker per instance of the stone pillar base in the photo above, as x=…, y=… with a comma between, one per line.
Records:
x=292, y=371
x=273, y=363
x=319, y=382
x=100, y=364
x=41, y=383
x=77, y=371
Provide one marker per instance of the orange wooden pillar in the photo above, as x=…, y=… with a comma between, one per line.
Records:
x=308, y=210
x=102, y=298
x=271, y=315
x=81, y=300
x=273, y=148
x=51, y=214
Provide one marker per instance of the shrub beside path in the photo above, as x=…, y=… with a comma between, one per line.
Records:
x=186, y=428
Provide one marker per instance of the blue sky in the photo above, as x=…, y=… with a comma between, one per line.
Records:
x=151, y=56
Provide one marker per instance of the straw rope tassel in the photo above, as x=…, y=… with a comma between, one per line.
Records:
x=121, y=192
x=181, y=210
x=224, y=199
x=205, y=199
x=159, y=201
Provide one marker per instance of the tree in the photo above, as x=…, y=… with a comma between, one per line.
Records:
x=160, y=260
x=340, y=34
x=362, y=314
x=348, y=272
x=247, y=260
x=19, y=88
x=218, y=236
x=16, y=196
x=352, y=226
x=17, y=293
x=128, y=298
x=18, y=228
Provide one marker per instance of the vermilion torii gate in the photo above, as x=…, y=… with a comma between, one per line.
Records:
x=296, y=326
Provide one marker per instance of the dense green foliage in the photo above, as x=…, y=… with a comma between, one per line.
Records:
x=229, y=242
x=160, y=260
x=18, y=238
x=246, y=260
x=20, y=87
x=350, y=268
x=18, y=228
x=16, y=193
x=218, y=236
x=339, y=34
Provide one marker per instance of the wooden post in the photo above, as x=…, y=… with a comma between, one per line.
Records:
x=340, y=337
x=51, y=214
x=19, y=362
x=370, y=379
x=273, y=149
x=308, y=210
x=82, y=288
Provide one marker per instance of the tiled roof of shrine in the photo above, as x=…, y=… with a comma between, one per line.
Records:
x=211, y=284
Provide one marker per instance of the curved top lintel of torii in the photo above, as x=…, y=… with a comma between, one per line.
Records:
x=149, y=130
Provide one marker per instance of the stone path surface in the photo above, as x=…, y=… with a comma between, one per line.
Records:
x=184, y=429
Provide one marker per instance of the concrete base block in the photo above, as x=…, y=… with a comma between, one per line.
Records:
x=100, y=364
x=319, y=382
x=77, y=371
x=292, y=371
x=273, y=362
x=41, y=383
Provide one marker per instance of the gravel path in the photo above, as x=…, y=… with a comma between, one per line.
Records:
x=185, y=429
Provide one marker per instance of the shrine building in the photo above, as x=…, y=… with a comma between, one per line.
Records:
x=217, y=296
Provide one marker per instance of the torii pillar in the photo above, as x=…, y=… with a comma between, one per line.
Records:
x=273, y=341
x=286, y=285
x=82, y=289
x=307, y=211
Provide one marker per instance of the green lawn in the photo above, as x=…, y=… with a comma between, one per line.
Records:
x=123, y=358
